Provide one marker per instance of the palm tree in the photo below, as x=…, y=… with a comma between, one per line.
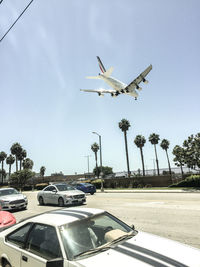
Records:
x=3, y=156
x=21, y=157
x=42, y=171
x=140, y=141
x=154, y=139
x=10, y=160
x=124, y=126
x=95, y=148
x=16, y=150
x=165, y=145
x=27, y=163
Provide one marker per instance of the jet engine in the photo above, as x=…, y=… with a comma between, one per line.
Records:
x=100, y=94
x=138, y=88
x=113, y=95
x=145, y=81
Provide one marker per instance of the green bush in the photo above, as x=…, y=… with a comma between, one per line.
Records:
x=40, y=186
x=97, y=183
x=27, y=188
x=191, y=181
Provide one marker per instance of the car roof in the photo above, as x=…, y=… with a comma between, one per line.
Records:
x=60, y=217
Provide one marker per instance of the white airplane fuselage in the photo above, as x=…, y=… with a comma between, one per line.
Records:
x=117, y=85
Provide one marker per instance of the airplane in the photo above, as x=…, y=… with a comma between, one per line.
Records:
x=118, y=86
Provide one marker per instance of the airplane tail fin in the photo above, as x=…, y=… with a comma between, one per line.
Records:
x=101, y=66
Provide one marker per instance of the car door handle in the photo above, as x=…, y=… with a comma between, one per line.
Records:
x=24, y=258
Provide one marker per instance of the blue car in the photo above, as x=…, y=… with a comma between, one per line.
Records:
x=86, y=188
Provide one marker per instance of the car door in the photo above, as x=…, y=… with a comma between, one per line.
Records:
x=48, y=194
x=42, y=245
x=14, y=242
x=52, y=195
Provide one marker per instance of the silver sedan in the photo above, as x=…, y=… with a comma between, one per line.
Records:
x=61, y=194
x=11, y=199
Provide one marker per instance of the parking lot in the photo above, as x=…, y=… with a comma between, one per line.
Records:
x=172, y=215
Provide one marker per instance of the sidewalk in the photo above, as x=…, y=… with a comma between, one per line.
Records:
x=188, y=190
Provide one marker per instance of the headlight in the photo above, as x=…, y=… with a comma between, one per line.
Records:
x=68, y=196
x=2, y=202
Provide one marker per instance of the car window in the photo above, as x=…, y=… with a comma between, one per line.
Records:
x=19, y=236
x=8, y=192
x=64, y=187
x=50, y=188
x=43, y=241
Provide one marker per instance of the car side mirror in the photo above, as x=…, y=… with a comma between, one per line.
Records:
x=133, y=226
x=58, y=262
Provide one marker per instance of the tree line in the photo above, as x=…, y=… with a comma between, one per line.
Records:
x=23, y=165
x=188, y=154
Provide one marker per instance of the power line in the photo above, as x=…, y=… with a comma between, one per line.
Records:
x=15, y=20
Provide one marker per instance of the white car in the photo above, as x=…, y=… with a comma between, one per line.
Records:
x=61, y=194
x=85, y=237
x=11, y=199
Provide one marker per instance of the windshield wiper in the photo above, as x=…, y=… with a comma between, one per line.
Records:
x=106, y=246
x=123, y=237
x=93, y=250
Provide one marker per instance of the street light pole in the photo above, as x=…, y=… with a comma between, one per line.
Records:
x=100, y=160
x=88, y=162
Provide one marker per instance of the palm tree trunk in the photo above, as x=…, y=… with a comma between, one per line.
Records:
x=16, y=163
x=170, y=172
x=9, y=174
x=127, y=159
x=142, y=157
x=157, y=160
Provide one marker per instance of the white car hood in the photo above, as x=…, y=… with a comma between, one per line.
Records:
x=145, y=250
x=12, y=197
x=72, y=192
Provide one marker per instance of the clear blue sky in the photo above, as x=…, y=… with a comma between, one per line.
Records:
x=45, y=58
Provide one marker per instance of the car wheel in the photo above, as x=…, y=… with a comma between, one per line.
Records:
x=60, y=202
x=92, y=193
x=41, y=201
x=6, y=264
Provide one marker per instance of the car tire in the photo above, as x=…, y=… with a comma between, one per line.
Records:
x=41, y=201
x=92, y=193
x=6, y=264
x=60, y=202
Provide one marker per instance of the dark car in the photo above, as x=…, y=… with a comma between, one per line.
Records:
x=85, y=187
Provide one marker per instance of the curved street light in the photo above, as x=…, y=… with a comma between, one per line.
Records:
x=101, y=174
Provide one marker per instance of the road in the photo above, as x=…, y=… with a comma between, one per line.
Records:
x=172, y=215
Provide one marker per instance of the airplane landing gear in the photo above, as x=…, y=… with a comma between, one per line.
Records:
x=135, y=98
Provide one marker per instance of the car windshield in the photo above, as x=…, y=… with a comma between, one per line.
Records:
x=10, y=191
x=64, y=187
x=92, y=235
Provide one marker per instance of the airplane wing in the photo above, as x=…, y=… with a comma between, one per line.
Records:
x=100, y=91
x=139, y=79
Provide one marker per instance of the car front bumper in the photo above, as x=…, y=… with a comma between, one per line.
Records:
x=14, y=206
x=70, y=201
